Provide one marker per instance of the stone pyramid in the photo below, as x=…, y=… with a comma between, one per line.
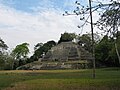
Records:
x=67, y=51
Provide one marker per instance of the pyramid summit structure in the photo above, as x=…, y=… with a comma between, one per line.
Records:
x=67, y=51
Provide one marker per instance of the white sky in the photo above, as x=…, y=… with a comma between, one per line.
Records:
x=45, y=22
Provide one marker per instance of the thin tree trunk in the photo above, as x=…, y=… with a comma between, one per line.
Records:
x=118, y=55
x=93, y=46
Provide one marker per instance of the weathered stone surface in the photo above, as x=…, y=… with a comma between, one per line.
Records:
x=66, y=55
x=66, y=51
x=38, y=65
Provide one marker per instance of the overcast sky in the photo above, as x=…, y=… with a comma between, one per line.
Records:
x=35, y=21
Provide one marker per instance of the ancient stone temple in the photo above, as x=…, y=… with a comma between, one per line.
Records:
x=67, y=51
x=66, y=55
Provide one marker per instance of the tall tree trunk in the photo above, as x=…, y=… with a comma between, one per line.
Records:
x=118, y=55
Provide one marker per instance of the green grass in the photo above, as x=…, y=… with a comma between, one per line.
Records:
x=106, y=79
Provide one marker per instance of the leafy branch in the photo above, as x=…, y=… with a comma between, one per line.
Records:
x=103, y=10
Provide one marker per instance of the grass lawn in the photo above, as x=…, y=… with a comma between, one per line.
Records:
x=106, y=79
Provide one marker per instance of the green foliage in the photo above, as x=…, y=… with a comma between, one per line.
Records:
x=2, y=62
x=20, y=54
x=6, y=62
x=41, y=49
x=102, y=50
x=38, y=46
x=86, y=42
x=105, y=51
x=110, y=15
x=66, y=37
x=109, y=22
x=21, y=51
x=110, y=18
x=3, y=46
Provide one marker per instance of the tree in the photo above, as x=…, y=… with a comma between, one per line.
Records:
x=20, y=53
x=105, y=51
x=6, y=61
x=81, y=11
x=3, y=57
x=114, y=54
x=86, y=42
x=102, y=51
x=2, y=62
x=110, y=21
x=3, y=46
x=66, y=37
x=38, y=46
x=42, y=49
